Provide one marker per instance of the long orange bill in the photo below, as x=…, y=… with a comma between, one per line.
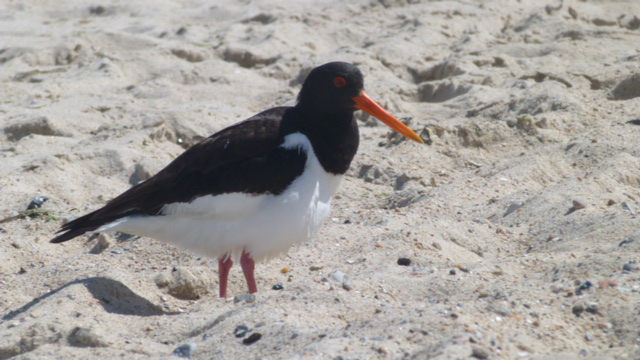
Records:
x=365, y=103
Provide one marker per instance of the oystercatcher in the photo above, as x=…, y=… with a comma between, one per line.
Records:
x=256, y=188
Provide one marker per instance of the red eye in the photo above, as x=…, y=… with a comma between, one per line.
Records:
x=339, y=82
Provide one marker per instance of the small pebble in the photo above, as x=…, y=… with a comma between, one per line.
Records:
x=277, y=287
x=592, y=309
x=185, y=350
x=37, y=202
x=577, y=310
x=452, y=272
x=285, y=270
x=316, y=268
x=628, y=207
x=404, y=261
x=588, y=336
x=607, y=283
x=626, y=241
x=86, y=337
x=586, y=285
x=97, y=10
x=579, y=204
x=630, y=267
x=116, y=251
x=611, y=202
x=252, y=338
x=338, y=276
x=480, y=353
x=241, y=331
x=248, y=298
x=513, y=207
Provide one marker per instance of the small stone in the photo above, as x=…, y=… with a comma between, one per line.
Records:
x=316, y=268
x=97, y=10
x=338, y=276
x=116, y=251
x=277, y=287
x=247, y=298
x=480, y=353
x=404, y=261
x=586, y=285
x=185, y=350
x=626, y=206
x=513, y=207
x=285, y=270
x=579, y=204
x=627, y=241
x=37, y=202
x=187, y=283
x=631, y=22
x=592, y=308
x=611, y=202
x=630, y=266
x=86, y=337
x=452, y=272
x=252, y=338
x=241, y=331
x=577, y=310
x=607, y=284
x=588, y=336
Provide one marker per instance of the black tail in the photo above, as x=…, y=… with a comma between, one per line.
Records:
x=85, y=224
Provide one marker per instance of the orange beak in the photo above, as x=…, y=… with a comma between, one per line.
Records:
x=365, y=103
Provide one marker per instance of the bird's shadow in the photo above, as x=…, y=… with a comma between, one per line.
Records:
x=114, y=296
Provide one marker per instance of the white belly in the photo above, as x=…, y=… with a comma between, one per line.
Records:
x=264, y=225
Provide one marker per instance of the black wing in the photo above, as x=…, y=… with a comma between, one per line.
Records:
x=245, y=157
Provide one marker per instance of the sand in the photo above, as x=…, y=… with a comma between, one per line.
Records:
x=519, y=223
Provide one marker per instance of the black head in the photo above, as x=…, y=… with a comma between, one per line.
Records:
x=337, y=89
x=331, y=88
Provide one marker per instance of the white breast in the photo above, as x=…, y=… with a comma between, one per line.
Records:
x=266, y=225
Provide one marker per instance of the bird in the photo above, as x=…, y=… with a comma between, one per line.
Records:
x=252, y=190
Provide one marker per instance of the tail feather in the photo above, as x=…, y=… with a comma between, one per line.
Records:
x=85, y=224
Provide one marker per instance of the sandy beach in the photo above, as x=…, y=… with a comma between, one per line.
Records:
x=514, y=235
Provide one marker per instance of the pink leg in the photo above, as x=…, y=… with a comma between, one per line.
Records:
x=247, y=268
x=224, y=266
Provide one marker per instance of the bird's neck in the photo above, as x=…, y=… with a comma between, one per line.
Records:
x=333, y=136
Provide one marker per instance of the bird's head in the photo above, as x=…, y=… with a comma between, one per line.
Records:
x=338, y=87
